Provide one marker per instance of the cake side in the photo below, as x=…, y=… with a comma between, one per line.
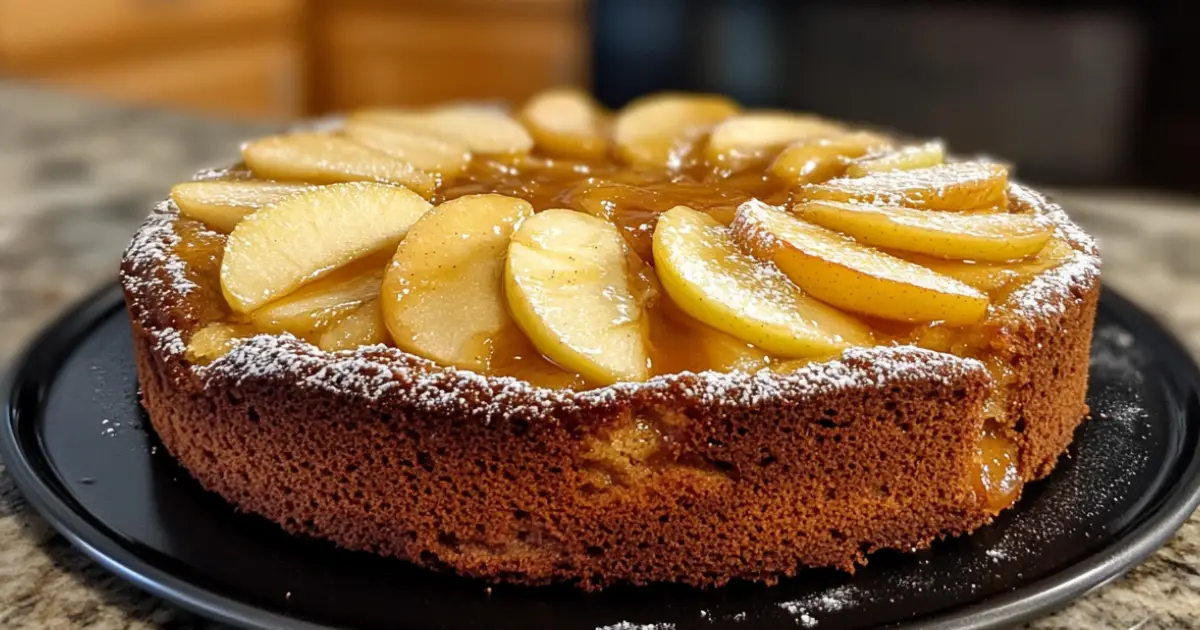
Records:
x=742, y=491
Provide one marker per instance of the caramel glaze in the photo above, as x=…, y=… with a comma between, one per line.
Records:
x=633, y=200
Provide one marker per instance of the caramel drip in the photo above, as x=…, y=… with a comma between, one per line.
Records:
x=999, y=481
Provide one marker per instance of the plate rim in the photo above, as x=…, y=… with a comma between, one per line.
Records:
x=1037, y=598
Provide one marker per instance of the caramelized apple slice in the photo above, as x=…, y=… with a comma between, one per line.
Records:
x=214, y=340
x=317, y=306
x=426, y=152
x=321, y=158
x=656, y=131
x=992, y=237
x=991, y=277
x=361, y=327
x=756, y=134
x=443, y=294
x=568, y=287
x=277, y=249
x=706, y=275
x=957, y=186
x=567, y=122
x=837, y=270
x=906, y=159
x=818, y=159
x=221, y=205
x=481, y=130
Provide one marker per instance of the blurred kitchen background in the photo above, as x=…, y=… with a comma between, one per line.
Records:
x=1078, y=93
x=104, y=104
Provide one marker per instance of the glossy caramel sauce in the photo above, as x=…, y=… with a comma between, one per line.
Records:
x=633, y=200
x=999, y=473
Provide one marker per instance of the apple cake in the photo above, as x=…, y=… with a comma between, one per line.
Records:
x=677, y=342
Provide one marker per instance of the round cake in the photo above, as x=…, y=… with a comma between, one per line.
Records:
x=680, y=342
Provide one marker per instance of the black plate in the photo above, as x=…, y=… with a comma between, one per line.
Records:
x=76, y=442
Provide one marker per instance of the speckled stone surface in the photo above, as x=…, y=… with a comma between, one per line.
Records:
x=76, y=178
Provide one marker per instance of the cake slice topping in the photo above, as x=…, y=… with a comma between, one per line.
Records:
x=279, y=248
x=958, y=186
x=443, y=297
x=222, y=205
x=904, y=159
x=997, y=237
x=840, y=271
x=704, y=272
x=819, y=158
x=657, y=131
x=568, y=247
x=323, y=158
x=569, y=289
x=478, y=129
x=566, y=122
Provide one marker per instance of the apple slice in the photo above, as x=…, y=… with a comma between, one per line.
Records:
x=221, y=205
x=427, y=153
x=991, y=237
x=993, y=277
x=277, y=249
x=321, y=158
x=656, y=131
x=706, y=275
x=957, y=186
x=214, y=340
x=569, y=289
x=322, y=303
x=837, y=270
x=567, y=122
x=479, y=129
x=443, y=293
x=361, y=327
x=818, y=159
x=906, y=159
x=752, y=135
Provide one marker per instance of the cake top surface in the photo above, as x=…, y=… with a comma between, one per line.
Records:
x=488, y=264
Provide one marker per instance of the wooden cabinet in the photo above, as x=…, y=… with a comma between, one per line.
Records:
x=48, y=28
x=233, y=57
x=242, y=79
x=284, y=58
x=416, y=52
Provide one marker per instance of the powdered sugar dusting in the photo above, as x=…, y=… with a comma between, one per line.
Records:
x=625, y=625
x=1048, y=294
x=1023, y=199
x=832, y=601
x=857, y=368
x=374, y=372
x=169, y=340
x=151, y=257
x=917, y=188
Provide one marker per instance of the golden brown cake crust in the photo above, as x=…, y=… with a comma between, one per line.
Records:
x=751, y=477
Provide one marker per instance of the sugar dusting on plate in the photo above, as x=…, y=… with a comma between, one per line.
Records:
x=808, y=610
x=625, y=625
x=1081, y=494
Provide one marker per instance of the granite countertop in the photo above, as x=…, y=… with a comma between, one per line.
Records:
x=76, y=178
